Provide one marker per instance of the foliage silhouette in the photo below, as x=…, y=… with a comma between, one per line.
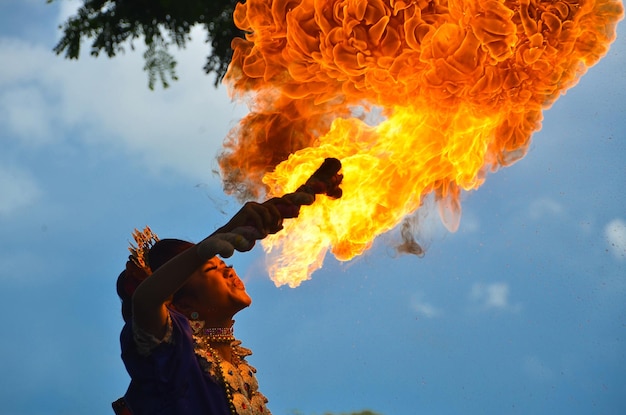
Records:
x=113, y=24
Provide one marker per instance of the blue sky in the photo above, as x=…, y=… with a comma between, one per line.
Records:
x=521, y=311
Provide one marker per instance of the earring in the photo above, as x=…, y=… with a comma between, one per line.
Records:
x=196, y=325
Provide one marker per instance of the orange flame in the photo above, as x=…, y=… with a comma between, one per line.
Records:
x=462, y=85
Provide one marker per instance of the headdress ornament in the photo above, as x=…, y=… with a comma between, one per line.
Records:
x=137, y=268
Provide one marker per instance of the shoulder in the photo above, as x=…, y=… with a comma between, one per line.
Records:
x=178, y=333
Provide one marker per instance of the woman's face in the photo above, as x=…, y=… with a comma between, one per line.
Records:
x=216, y=291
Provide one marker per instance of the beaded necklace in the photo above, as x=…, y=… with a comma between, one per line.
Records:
x=240, y=386
x=222, y=379
x=218, y=334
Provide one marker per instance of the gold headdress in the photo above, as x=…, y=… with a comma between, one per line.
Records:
x=144, y=240
x=137, y=268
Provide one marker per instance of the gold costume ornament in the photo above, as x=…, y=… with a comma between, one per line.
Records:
x=237, y=377
x=144, y=240
x=137, y=268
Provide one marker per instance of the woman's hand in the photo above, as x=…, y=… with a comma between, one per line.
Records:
x=265, y=217
x=224, y=244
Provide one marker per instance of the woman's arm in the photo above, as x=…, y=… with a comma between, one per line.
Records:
x=265, y=217
x=150, y=297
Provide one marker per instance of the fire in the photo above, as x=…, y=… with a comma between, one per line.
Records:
x=461, y=86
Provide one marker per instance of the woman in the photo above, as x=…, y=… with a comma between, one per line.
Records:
x=177, y=343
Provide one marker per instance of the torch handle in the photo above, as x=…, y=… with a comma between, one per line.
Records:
x=252, y=233
x=325, y=180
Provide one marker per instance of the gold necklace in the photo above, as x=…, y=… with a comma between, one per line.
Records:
x=220, y=373
x=218, y=334
x=216, y=367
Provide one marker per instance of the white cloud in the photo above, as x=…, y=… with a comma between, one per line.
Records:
x=543, y=207
x=424, y=308
x=17, y=189
x=67, y=8
x=47, y=99
x=26, y=61
x=615, y=233
x=493, y=296
x=24, y=113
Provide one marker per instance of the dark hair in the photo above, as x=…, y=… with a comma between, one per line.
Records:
x=160, y=253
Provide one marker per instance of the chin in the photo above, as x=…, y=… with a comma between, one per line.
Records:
x=244, y=302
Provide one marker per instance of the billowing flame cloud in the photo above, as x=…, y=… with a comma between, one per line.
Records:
x=462, y=85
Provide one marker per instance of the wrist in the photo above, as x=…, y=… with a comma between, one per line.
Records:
x=205, y=250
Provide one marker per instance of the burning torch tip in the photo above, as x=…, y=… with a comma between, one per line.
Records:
x=329, y=168
x=325, y=180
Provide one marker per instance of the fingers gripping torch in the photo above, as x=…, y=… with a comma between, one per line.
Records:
x=324, y=181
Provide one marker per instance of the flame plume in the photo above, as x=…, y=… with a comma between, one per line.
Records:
x=461, y=83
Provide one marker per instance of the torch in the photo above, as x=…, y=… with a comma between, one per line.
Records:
x=324, y=181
